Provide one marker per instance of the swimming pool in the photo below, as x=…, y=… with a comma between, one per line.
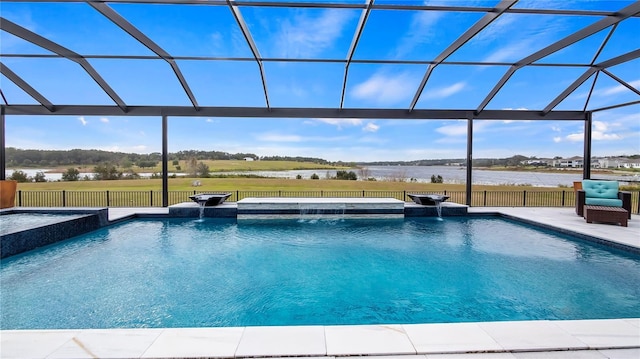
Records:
x=185, y=273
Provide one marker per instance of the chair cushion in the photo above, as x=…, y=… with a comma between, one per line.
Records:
x=603, y=202
x=600, y=189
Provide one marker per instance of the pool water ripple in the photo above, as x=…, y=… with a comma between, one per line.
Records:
x=183, y=273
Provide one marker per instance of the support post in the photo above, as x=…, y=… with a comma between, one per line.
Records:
x=165, y=164
x=586, y=162
x=3, y=150
x=469, y=159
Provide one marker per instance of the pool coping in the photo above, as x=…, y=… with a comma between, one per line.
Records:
x=549, y=336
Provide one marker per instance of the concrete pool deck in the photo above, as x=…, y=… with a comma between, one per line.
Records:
x=608, y=338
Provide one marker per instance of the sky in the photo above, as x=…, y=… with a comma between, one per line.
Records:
x=308, y=33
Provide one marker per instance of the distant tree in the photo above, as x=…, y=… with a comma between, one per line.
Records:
x=175, y=162
x=178, y=168
x=364, y=172
x=130, y=174
x=126, y=163
x=40, y=177
x=202, y=170
x=146, y=164
x=344, y=175
x=192, y=166
x=299, y=177
x=436, y=179
x=71, y=174
x=315, y=177
x=19, y=176
x=106, y=172
x=515, y=160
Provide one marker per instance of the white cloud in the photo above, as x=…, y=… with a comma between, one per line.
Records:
x=419, y=32
x=453, y=130
x=516, y=109
x=600, y=126
x=371, y=127
x=600, y=132
x=556, y=129
x=383, y=89
x=614, y=90
x=340, y=122
x=303, y=36
x=445, y=92
x=495, y=30
x=82, y=120
x=346, y=122
x=600, y=136
x=217, y=39
x=104, y=120
x=557, y=139
x=510, y=52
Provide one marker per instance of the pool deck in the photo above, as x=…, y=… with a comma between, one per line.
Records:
x=605, y=338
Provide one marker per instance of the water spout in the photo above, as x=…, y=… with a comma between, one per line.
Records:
x=429, y=200
x=209, y=199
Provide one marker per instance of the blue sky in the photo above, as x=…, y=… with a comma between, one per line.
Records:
x=313, y=34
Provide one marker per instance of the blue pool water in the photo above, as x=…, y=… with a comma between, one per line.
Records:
x=15, y=222
x=186, y=273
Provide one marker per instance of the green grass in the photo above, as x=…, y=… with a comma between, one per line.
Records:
x=263, y=184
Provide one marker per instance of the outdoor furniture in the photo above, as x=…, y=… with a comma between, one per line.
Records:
x=605, y=214
x=602, y=193
x=427, y=199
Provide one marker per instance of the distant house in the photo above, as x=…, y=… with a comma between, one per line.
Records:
x=615, y=162
x=535, y=162
x=248, y=158
x=568, y=163
x=631, y=165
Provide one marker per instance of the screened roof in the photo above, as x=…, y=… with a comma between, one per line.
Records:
x=374, y=59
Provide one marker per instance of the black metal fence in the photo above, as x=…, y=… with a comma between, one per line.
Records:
x=564, y=198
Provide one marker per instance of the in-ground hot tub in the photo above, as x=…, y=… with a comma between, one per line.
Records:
x=24, y=229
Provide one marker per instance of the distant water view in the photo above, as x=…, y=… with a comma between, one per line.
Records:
x=450, y=174
x=453, y=174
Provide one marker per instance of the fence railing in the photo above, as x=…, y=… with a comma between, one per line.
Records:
x=64, y=198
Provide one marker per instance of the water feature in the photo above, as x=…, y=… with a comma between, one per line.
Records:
x=314, y=212
x=293, y=208
x=209, y=199
x=429, y=200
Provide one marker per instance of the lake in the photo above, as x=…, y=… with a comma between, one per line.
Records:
x=453, y=174
x=450, y=174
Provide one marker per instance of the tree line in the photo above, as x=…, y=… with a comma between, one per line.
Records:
x=53, y=158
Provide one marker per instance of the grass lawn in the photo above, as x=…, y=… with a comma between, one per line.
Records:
x=263, y=184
